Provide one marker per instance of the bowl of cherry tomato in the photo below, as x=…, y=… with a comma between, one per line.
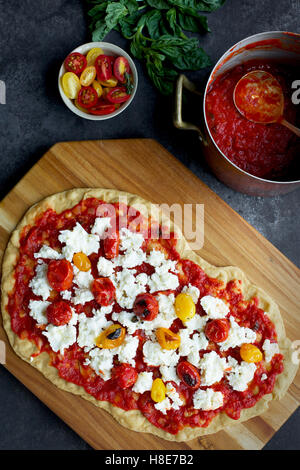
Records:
x=97, y=80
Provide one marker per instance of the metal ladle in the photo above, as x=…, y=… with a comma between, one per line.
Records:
x=258, y=96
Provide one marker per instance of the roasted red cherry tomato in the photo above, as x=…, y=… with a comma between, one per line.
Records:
x=59, y=313
x=60, y=274
x=121, y=66
x=103, y=66
x=112, y=59
x=145, y=307
x=102, y=108
x=125, y=375
x=117, y=95
x=189, y=375
x=104, y=291
x=217, y=330
x=87, y=97
x=75, y=62
x=111, y=245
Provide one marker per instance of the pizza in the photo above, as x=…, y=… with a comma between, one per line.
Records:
x=108, y=301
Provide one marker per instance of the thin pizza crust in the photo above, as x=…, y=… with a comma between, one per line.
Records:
x=134, y=419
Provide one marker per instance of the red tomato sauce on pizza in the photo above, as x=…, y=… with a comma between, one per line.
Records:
x=266, y=151
x=71, y=363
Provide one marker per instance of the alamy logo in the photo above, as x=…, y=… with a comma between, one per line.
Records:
x=296, y=94
x=155, y=220
x=2, y=92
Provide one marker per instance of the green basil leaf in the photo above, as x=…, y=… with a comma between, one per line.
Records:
x=195, y=60
x=209, y=5
x=128, y=84
x=159, y=4
x=100, y=32
x=114, y=12
x=163, y=83
x=156, y=59
x=187, y=7
x=168, y=40
x=131, y=5
x=152, y=22
x=171, y=17
x=190, y=23
x=136, y=48
x=163, y=27
x=126, y=28
x=98, y=9
x=128, y=24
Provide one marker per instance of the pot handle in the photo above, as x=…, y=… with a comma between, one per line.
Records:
x=184, y=82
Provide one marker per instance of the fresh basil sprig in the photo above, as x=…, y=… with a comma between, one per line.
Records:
x=128, y=84
x=157, y=31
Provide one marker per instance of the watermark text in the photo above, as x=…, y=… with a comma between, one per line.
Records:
x=296, y=94
x=2, y=92
x=156, y=221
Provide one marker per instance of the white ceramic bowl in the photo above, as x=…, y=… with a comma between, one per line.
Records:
x=109, y=49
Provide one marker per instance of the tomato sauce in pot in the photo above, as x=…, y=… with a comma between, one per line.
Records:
x=266, y=151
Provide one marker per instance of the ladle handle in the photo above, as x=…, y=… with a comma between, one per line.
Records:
x=291, y=127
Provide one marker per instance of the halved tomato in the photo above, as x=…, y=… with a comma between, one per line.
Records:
x=75, y=62
x=102, y=109
x=70, y=84
x=112, y=59
x=87, y=97
x=117, y=95
x=111, y=83
x=121, y=66
x=104, y=67
x=93, y=54
x=98, y=88
x=84, y=110
x=105, y=90
x=88, y=76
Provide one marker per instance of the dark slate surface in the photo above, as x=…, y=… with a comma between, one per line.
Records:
x=35, y=36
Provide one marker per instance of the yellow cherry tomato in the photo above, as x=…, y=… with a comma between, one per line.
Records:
x=82, y=262
x=112, y=337
x=184, y=307
x=112, y=82
x=88, y=75
x=98, y=88
x=93, y=54
x=158, y=391
x=250, y=353
x=70, y=84
x=105, y=90
x=167, y=339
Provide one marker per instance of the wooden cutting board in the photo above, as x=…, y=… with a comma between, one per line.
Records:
x=143, y=167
